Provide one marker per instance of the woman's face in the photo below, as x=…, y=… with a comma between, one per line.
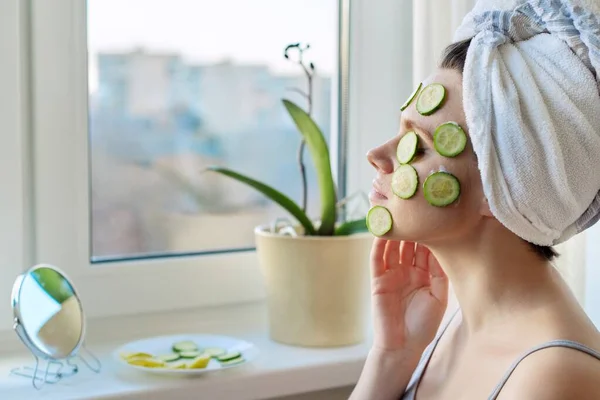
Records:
x=415, y=219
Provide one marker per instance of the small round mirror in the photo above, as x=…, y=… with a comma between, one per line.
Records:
x=48, y=314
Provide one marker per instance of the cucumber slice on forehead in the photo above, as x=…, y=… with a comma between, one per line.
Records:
x=441, y=189
x=449, y=139
x=405, y=181
x=379, y=220
x=407, y=147
x=431, y=98
x=411, y=98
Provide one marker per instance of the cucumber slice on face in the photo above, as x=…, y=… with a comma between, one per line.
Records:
x=431, y=98
x=184, y=346
x=379, y=220
x=407, y=147
x=441, y=189
x=449, y=139
x=405, y=181
x=411, y=98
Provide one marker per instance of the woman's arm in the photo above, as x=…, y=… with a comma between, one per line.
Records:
x=409, y=297
x=385, y=375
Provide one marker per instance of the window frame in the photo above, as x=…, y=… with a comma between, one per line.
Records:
x=60, y=99
x=15, y=235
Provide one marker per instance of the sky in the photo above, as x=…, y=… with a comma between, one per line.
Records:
x=207, y=31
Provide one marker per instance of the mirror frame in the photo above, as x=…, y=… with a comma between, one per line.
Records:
x=17, y=316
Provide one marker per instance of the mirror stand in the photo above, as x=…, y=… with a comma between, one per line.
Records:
x=49, y=320
x=56, y=370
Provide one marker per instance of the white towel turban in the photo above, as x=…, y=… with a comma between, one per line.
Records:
x=531, y=92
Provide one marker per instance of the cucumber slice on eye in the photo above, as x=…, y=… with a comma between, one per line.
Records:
x=379, y=220
x=407, y=147
x=412, y=97
x=441, y=189
x=431, y=98
x=449, y=139
x=405, y=181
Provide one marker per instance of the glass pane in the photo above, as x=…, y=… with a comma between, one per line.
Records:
x=177, y=85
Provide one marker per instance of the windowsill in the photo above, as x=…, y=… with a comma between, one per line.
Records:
x=279, y=370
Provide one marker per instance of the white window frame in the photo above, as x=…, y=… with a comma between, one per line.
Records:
x=60, y=153
x=15, y=254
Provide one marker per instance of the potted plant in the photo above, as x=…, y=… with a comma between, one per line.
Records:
x=315, y=271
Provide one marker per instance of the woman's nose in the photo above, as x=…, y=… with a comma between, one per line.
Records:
x=381, y=158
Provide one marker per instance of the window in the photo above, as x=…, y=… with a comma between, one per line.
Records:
x=195, y=83
x=65, y=162
x=115, y=110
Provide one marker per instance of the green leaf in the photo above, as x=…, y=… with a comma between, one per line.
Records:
x=273, y=194
x=350, y=227
x=319, y=152
x=55, y=285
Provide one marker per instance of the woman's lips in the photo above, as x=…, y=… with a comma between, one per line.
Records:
x=376, y=194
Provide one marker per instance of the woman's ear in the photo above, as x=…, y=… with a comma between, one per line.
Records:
x=485, y=208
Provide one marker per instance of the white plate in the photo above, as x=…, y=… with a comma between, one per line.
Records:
x=163, y=345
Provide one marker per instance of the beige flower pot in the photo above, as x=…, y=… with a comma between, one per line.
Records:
x=317, y=287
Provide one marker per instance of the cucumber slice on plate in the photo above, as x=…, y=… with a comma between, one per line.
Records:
x=449, y=139
x=379, y=220
x=229, y=356
x=407, y=147
x=233, y=361
x=189, y=354
x=185, y=345
x=441, y=189
x=169, y=357
x=214, y=351
x=405, y=181
x=431, y=98
x=411, y=98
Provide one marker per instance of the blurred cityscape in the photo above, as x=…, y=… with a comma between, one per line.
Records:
x=157, y=120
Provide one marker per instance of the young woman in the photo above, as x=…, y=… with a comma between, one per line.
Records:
x=518, y=333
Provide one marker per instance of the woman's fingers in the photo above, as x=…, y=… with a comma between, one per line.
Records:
x=392, y=254
x=439, y=280
x=407, y=253
x=421, y=255
x=377, y=260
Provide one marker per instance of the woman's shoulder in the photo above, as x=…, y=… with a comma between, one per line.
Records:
x=561, y=369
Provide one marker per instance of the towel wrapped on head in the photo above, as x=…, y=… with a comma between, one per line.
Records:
x=531, y=93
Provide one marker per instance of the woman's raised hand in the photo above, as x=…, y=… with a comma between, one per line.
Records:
x=409, y=293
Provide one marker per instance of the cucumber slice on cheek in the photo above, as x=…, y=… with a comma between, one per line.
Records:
x=449, y=139
x=405, y=181
x=379, y=220
x=407, y=147
x=441, y=189
x=431, y=98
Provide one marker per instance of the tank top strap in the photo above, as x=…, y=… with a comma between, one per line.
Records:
x=411, y=389
x=554, y=343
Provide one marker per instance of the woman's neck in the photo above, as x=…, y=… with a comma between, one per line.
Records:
x=496, y=275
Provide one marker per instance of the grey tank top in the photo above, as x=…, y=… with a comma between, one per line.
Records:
x=411, y=389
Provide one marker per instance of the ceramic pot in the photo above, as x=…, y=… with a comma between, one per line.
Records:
x=317, y=287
